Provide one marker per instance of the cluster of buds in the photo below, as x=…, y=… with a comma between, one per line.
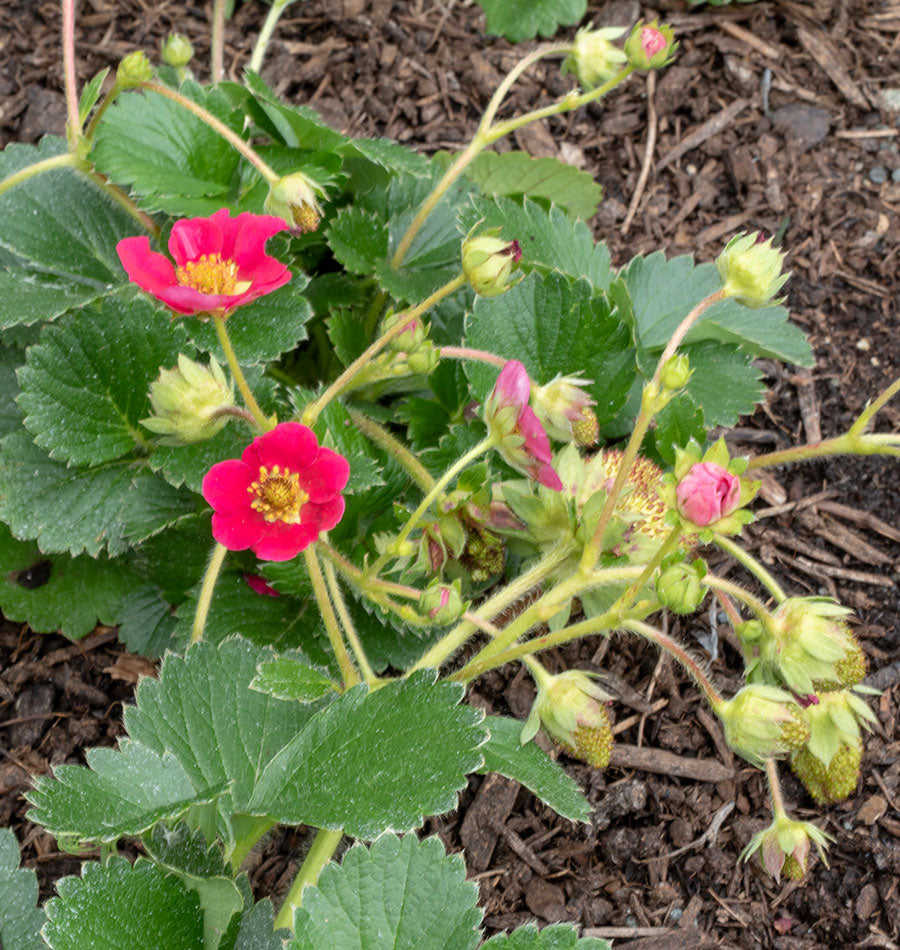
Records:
x=751, y=270
x=133, y=69
x=784, y=847
x=571, y=709
x=763, y=722
x=410, y=351
x=489, y=262
x=190, y=402
x=594, y=58
x=295, y=199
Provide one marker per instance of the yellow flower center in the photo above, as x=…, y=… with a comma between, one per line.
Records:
x=278, y=495
x=211, y=275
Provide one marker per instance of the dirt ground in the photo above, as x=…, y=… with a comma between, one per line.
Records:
x=780, y=116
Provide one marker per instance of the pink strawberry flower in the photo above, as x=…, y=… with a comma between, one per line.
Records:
x=279, y=495
x=220, y=263
x=707, y=493
x=520, y=437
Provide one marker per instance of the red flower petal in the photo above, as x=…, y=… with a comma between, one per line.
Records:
x=225, y=486
x=281, y=541
x=537, y=444
x=290, y=445
x=329, y=514
x=238, y=531
x=149, y=270
x=547, y=476
x=248, y=248
x=193, y=237
x=513, y=385
x=186, y=300
x=326, y=477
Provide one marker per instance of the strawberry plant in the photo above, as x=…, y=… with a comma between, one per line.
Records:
x=332, y=430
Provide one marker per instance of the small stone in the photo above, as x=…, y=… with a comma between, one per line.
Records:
x=863, y=345
x=895, y=175
x=878, y=175
x=867, y=902
x=545, y=900
x=890, y=99
x=871, y=810
x=802, y=125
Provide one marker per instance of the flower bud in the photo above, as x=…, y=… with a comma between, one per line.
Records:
x=762, y=722
x=442, y=603
x=784, y=847
x=488, y=262
x=260, y=586
x=680, y=587
x=134, y=69
x=416, y=353
x=594, y=59
x=650, y=46
x=707, y=493
x=517, y=432
x=294, y=198
x=750, y=269
x=564, y=409
x=187, y=402
x=177, y=50
x=676, y=372
x=570, y=708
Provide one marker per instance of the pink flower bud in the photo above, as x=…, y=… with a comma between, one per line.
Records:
x=652, y=41
x=707, y=493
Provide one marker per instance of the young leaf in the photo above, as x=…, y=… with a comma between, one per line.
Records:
x=57, y=592
x=393, y=757
x=289, y=678
x=117, y=905
x=533, y=768
x=679, y=422
x=517, y=173
x=90, y=94
x=554, y=326
x=554, y=937
x=122, y=792
x=85, y=385
x=398, y=894
x=517, y=21
x=20, y=919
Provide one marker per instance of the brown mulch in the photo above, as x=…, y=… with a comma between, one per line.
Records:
x=772, y=117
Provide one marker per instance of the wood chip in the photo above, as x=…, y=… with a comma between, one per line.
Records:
x=819, y=46
x=663, y=762
x=716, y=124
x=842, y=537
x=745, y=36
x=861, y=577
x=809, y=405
x=865, y=518
x=491, y=807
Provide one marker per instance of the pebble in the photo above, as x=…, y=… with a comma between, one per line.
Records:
x=878, y=175
x=895, y=175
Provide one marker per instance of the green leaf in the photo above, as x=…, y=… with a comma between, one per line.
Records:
x=518, y=21
x=399, y=894
x=122, y=792
x=679, y=422
x=146, y=622
x=203, y=711
x=394, y=756
x=554, y=326
x=263, y=329
x=554, y=937
x=172, y=159
x=358, y=239
x=57, y=592
x=724, y=382
x=288, y=678
x=117, y=905
x=335, y=429
x=20, y=919
x=257, y=929
x=517, y=173
x=90, y=94
x=550, y=240
x=663, y=293
x=11, y=358
x=533, y=768
x=85, y=385
x=28, y=296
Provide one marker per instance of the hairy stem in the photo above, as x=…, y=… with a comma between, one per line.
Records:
x=395, y=448
x=66, y=160
x=249, y=399
x=752, y=565
x=332, y=627
x=738, y=592
x=778, y=808
x=217, y=41
x=114, y=90
x=321, y=852
x=467, y=353
x=206, y=591
x=337, y=595
x=265, y=34
x=125, y=202
x=73, y=126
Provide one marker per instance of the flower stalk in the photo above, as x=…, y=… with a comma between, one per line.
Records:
x=395, y=448
x=332, y=627
x=264, y=423
x=340, y=605
x=753, y=566
x=217, y=41
x=276, y=8
x=73, y=126
x=323, y=847
x=206, y=591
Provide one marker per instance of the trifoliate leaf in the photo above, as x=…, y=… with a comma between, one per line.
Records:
x=398, y=894
x=117, y=905
x=59, y=593
x=517, y=21
x=122, y=792
x=533, y=768
x=554, y=326
x=20, y=919
x=554, y=937
x=393, y=757
x=297, y=126
x=288, y=678
x=85, y=385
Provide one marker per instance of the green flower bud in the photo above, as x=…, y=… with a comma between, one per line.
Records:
x=650, y=46
x=680, y=587
x=750, y=269
x=762, y=722
x=187, y=402
x=676, y=372
x=442, y=603
x=594, y=59
x=177, y=50
x=570, y=708
x=134, y=69
x=294, y=198
x=488, y=262
x=784, y=847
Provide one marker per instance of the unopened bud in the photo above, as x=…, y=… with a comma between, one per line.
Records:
x=751, y=270
x=650, y=46
x=762, y=722
x=294, y=198
x=134, y=69
x=188, y=402
x=680, y=587
x=177, y=50
x=442, y=603
x=594, y=59
x=707, y=493
x=488, y=262
x=676, y=372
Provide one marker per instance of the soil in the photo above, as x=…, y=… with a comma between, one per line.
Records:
x=775, y=116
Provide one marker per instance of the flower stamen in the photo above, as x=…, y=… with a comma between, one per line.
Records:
x=278, y=495
x=210, y=274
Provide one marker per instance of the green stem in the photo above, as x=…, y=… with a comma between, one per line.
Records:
x=66, y=160
x=217, y=41
x=73, y=126
x=265, y=34
x=648, y=409
x=249, y=399
x=321, y=852
x=467, y=353
x=232, y=138
x=332, y=627
x=121, y=199
x=846, y=444
x=312, y=411
x=436, y=489
x=206, y=591
x=868, y=414
x=752, y=565
x=778, y=809
x=337, y=595
x=744, y=596
x=246, y=844
x=538, y=671
x=114, y=90
x=395, y=448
